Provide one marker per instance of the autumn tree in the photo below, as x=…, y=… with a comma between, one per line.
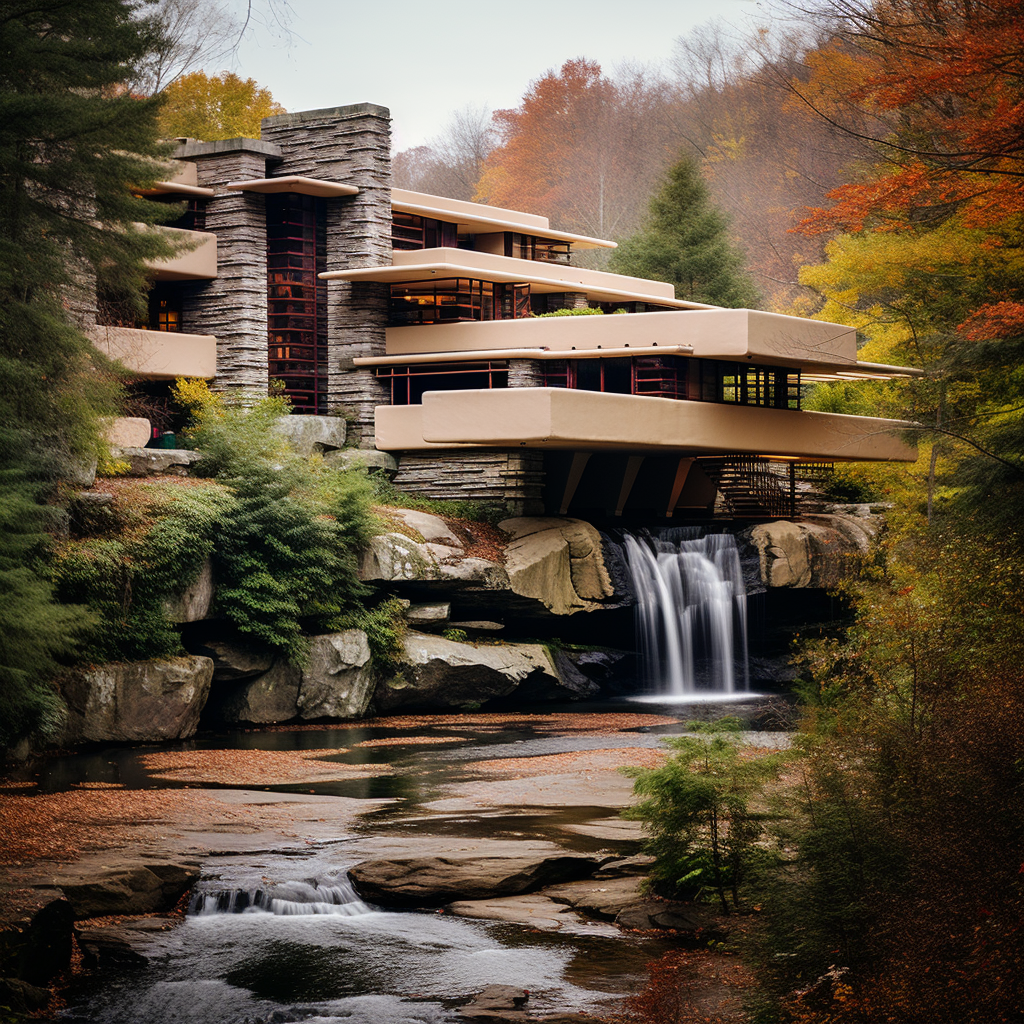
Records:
x=222, y=107
x=578, y=150
x=686, y=243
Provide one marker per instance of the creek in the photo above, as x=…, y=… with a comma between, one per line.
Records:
x=275, y=934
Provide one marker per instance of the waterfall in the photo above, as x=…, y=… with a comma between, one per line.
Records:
x=287, y=899
x=691, y=612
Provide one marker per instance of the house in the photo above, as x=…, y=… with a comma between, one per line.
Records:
x=423, y=318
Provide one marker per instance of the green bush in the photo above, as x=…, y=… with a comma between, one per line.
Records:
x=573, y=312
x=696, y=810
x=457, y=636
x=385, y=493
x=385, y=629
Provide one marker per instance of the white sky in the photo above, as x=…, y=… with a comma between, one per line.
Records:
x=425, y=58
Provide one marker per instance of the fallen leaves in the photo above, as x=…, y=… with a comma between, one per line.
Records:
x=255, y=767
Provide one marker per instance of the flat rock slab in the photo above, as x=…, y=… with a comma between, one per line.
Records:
x=534, y=911
x=435, y=881
x=127, y=885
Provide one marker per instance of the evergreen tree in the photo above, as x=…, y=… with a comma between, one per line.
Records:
x=72, y=142
x=685, y=242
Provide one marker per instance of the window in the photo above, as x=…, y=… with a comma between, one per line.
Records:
x=297, y=299
x=410, y=231
x=410, y=383
x=454, y=299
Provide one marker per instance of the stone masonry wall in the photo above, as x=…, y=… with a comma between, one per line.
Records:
x=233, y=306
x=514, y=478
x=525, y=373
x=350, y=144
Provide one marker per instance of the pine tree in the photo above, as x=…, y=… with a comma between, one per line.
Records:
x=685, y=242
x=72, y=141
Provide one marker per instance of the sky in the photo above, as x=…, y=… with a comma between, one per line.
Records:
x=425, y=59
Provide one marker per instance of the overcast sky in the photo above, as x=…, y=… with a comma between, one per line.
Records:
x=424, y=59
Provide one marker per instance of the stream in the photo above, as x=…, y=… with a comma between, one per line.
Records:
x=275, y=934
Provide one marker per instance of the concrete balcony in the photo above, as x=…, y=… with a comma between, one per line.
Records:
x=158, y=355
x=590, y=421
x=197, y=263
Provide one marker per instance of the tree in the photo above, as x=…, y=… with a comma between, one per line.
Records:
x=696, y=808
x=71, y=141
x=685, y=242
x=223, y=107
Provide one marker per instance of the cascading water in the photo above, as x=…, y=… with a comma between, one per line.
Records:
x=289, y=899
x=691, y=612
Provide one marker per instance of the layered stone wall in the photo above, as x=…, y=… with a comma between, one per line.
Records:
x=514, y=478
x=352, y=145
x=233, y=306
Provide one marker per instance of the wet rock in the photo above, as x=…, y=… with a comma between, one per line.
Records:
x=140, y=701
x=533, y=911
x=604, y=899
x=35, y=934
x=232, y=658
x=107, y=948
x=435, y=881
x=338, y=679
x=496, y=1003
x=126, y=885
x=193, y=604
x=435, y=672
x=156, y=461
x=308, y=434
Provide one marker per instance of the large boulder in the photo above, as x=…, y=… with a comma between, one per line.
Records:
x=233, y=658
x=157, y=461
x=440, y=673
x=308, y=434
x=819, y=551
x=394, y=557
x=137, y=702
x=35, y=934
x=127, y=431
x=338, y=679
x=125, y=884
x=364, y=459
x=272, y=696
x=558, y=562
x=435, y=881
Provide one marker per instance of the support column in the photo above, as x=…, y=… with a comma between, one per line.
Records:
x=682, y=472
x=579, y=464
x=633, y=464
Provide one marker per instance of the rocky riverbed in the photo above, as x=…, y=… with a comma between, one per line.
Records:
x=484, y=849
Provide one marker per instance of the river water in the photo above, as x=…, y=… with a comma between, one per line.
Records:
x=275, y=935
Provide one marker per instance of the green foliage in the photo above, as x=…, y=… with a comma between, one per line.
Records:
x=126, y=577
x=385, y=493
x=385, y=627
x=458, y=636
x=573, y=312
x=685, y=242
x=696, y=809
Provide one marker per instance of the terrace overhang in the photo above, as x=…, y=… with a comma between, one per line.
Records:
x=158, y=355
x=543, y=278
x=478, y=219
x=294, y=183
x=593, y=421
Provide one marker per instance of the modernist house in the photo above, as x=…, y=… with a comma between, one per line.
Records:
x=424, y=319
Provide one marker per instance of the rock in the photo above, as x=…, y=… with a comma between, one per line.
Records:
x=444, y=673
x=35, y=934
x=21, y=997
x=338, y=679
x=365, y=459
x=557, y=562
x=308, y=434
x=604, y=899
x=393, y=556
x=435, y=881
x=193, y=604
x=695, y=924
x=429, y=527
x=478, y=626
x=107, y=948
x=155, y=461
x=496, y=1003
x=127, y=431
x=80, y=472
x=820, y=551
x=127, y=885
x=137, y=702
x=271, y=697
x=428, y=616
x=534, y=911
x=232, y=658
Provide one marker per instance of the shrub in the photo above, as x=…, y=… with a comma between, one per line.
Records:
x=385, y=628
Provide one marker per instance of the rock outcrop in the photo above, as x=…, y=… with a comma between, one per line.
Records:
x=435, y=881
x=338, y=679
x=141, y=701
x=308, y=434
x=35, y=934
x=156, y=461
x=439, y=673
x=126, y=885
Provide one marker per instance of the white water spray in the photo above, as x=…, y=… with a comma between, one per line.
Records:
x=691, y=612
